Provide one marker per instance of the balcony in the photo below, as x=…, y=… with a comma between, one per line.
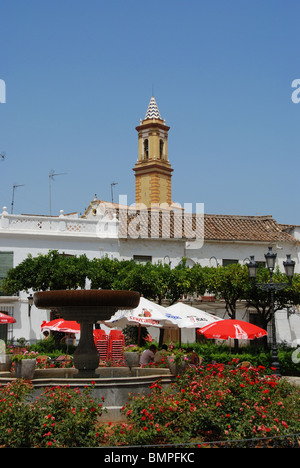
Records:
x=60, y=225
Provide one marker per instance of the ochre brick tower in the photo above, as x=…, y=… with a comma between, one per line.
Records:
x=153, y=171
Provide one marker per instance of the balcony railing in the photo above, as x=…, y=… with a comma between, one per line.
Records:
x=61, y=225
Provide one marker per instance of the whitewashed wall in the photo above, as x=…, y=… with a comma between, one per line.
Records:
x=39, y=234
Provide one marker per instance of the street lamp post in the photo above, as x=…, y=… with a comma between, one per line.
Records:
x=289, y=266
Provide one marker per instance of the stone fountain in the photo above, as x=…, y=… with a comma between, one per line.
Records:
x=86, y=307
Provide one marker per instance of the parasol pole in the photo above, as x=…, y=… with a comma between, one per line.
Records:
x=68, y=334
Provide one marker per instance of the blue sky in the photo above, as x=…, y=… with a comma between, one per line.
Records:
x=79, y=76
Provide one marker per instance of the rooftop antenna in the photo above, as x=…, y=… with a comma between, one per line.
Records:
x=52, y=174
x=111, y=189
x=13, y=197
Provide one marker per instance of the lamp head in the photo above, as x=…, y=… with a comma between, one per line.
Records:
x=252, y=267
x=270, y=259
x=289, y=266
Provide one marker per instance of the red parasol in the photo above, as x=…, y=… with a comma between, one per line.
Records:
x=6, y=319
x=61, y=325
x=236, y=329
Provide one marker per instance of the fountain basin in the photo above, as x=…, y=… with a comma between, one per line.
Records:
x=92, y=304
x=86, y=306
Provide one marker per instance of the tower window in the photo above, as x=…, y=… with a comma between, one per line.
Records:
x=161, y=149
x=146, y=149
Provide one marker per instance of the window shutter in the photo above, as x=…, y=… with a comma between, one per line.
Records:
x=6, y=263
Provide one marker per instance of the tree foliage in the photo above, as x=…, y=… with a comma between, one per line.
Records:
x=50, y=271
x=154, y=281
x=229, y=283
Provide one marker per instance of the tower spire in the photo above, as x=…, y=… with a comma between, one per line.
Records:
x=152, y=111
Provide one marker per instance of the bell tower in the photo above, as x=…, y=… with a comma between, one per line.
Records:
x=153, y=171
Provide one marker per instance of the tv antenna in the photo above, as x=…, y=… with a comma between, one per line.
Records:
x=13, y=197
x=52, y=174
x=111, y=189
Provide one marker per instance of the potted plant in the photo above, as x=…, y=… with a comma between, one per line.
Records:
x=178, y=362
x=21, y=345
x=132, y=356
x=24, y=364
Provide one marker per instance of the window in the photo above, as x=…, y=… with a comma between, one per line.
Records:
x=6, y=330
x=227, y=261
x=146, y=149
x=142, y=258
x=6, y=263
x=161, y=149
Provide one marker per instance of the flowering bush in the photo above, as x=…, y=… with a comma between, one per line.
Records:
x=133, y=349
x=15, y=416
x=60, y=417
x=217, y=402
x=66, y=417
x=214, y=403
x=164, y=363
x=25, y=355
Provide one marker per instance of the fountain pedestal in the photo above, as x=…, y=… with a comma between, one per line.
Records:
x=86, y=357
x=86, y=307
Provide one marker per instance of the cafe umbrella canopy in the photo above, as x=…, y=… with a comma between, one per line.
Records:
x=232, y=329
x=146, y=314
x=186, y=316
x=5, y=319
x=61, y=325
x=150, y=314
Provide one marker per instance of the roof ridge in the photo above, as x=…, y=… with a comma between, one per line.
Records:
x=258, y=217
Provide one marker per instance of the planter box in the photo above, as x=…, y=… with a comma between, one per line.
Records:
x=5, y=362
x=25, y=368
x=20, y=349
x=132, y=359
x=177, y=368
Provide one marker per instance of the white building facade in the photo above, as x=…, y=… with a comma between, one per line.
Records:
x=100, y=234
x=151, y=230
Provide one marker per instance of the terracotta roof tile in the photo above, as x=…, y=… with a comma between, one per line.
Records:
x=244, y=228
x=174, y=225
